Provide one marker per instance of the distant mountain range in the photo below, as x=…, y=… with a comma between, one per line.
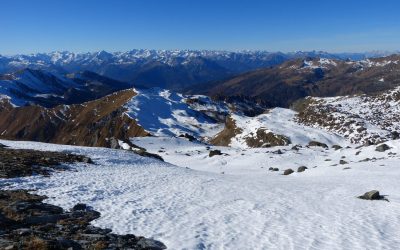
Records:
x=170, y=69
x=29, y=86
x=282, y=85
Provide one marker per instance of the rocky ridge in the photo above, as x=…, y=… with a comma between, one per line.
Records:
x=26, y=222
x=369, y=119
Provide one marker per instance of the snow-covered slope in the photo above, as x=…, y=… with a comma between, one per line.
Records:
x=280, y=121
x=47, y=89
x=166, y=113
x=27, y=85
x=247, y=207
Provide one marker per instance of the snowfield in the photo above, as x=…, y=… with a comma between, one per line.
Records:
x=281, y=121
x=165, y=113
x=192, y=205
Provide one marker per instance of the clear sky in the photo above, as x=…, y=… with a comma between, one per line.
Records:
x=275, y=25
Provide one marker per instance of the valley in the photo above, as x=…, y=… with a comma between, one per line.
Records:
x=278, y=159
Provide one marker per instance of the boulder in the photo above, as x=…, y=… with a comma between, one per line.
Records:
x=187, y=136
x=336, y=147
x=372, y=195
x=302, y=169
x=288, y=171
x=80, y=207
x=144, y=243
x=395, y=135
x=343, y=162
x=382, y=148
x=317, y=144
x=296, y=147
x=214, y=152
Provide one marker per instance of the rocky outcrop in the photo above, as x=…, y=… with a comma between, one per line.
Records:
x=264, y=138
x=86, y=124
x=26, y=162
x=224, y=137
x=366, y=119
x=28, y=223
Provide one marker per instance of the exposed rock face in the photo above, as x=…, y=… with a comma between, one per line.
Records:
x=28, y=223
x=224, y=137
x=25, y=162
x=367, y=119
x=266, y=139
x=87, y=124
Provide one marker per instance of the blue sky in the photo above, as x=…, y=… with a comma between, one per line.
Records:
x=120, y=25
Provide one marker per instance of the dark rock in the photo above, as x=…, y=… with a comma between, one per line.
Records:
x=187, y=136
x=276, y=169
x=265, y=139
x=50, y=227
x=288, y=171
x=296, y=147
x=279, y=152
x=395, y=135
x=372, y=195
x=368, y=143
x=87, y=160
x=150, y=244
x=23, y=231
x=302, y=169
x=382, y=148
x=317, y=144
x=25, y=162
x=214, y=152
x=343, y=162
x=144, y=153
x=336, y=147
x=80, y=207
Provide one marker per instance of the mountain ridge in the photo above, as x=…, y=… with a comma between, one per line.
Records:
x=172, y=69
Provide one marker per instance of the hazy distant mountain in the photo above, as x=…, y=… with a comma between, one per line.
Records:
x=172, y=69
